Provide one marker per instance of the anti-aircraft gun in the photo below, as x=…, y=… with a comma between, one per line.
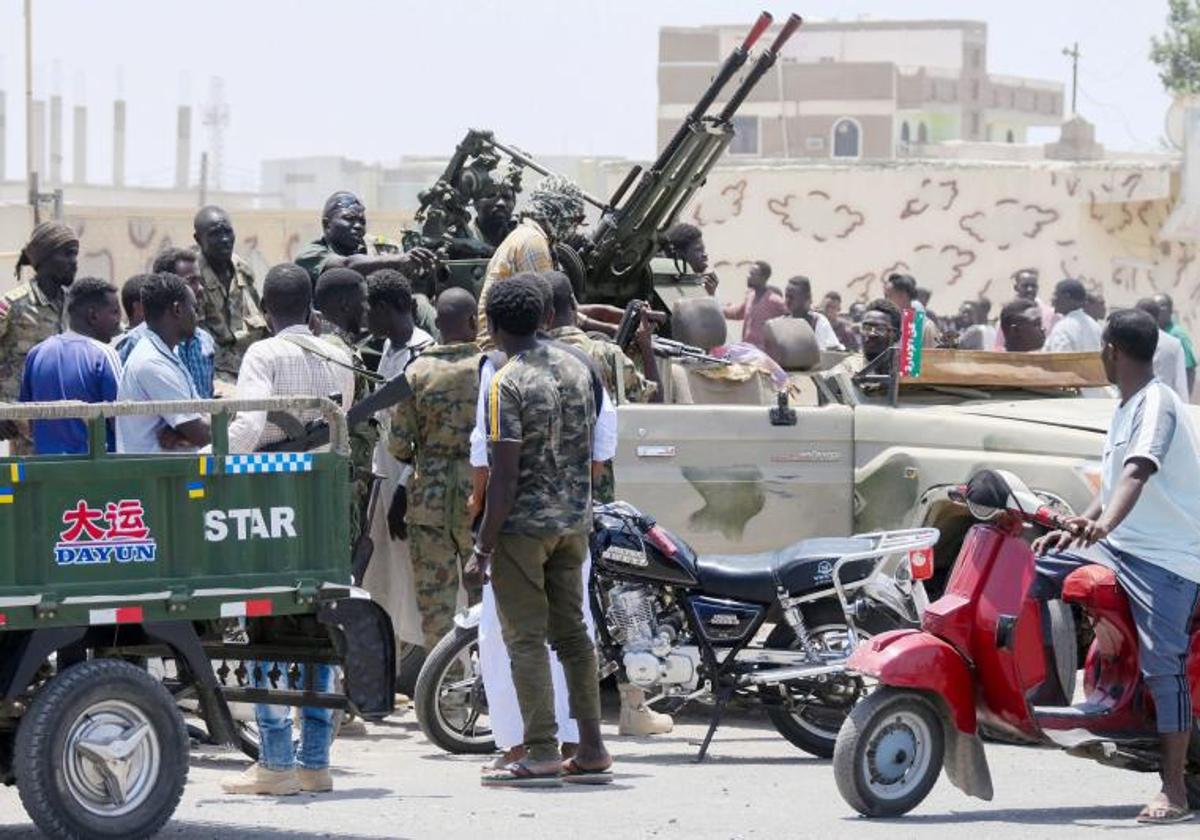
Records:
x=612, y=265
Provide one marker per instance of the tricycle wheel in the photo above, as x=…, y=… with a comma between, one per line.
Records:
x=450, y=701
x=889, y=753
x=102, y=752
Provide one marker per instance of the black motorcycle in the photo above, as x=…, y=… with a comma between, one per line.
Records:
x=687, y=627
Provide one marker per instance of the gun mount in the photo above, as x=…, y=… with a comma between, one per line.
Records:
x=612, y=265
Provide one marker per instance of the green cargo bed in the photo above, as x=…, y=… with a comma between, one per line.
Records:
x=112, y=539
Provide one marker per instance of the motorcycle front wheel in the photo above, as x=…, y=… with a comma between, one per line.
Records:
x=450, y=700
x=812, y=721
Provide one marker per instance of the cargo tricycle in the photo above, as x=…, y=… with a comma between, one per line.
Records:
x=229, y=572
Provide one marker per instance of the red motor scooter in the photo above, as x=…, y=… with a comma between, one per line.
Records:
x=979, y=661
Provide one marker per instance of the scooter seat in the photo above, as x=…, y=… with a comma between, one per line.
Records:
x=1095, y=588
x=801, y=567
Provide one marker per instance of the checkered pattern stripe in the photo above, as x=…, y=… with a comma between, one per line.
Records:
x=268, y=462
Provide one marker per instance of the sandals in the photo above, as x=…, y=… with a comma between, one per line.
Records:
x=573, y=774
x=519, y=775
x=1163, y=813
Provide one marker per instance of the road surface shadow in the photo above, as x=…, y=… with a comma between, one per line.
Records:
x=196, y=830
x=1074, y=815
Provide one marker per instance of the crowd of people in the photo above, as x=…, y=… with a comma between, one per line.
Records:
x=512, y=401
x=1072, y=322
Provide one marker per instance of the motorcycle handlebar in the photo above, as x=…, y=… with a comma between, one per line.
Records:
x=1043, y=516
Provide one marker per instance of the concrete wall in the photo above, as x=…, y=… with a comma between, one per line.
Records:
x=960, y=227
x=118, y=242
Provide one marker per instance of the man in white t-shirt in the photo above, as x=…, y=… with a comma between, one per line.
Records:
x=1170, y=361
x=798, y=298
x=1075, y=332
x=1145, y=525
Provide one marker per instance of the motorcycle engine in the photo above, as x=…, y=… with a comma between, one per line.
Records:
x=648, y=649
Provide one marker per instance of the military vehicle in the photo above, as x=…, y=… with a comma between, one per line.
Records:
x=723, y=465
x=614, y=264
x=230, y=568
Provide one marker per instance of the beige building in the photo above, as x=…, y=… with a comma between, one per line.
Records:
x=862, y=89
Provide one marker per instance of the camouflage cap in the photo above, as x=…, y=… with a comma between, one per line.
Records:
x=558, y=203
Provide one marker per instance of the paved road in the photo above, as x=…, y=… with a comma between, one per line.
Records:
x=393, y=784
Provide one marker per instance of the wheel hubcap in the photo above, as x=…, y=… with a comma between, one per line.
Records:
x=897, y=755
x=111, y=758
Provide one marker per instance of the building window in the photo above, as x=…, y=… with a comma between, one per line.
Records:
x=905, y=136
x=846, y=135
x=745, y=136
x=974, y=90
x=976, y=57
x=1008, y=138
x=922, y=133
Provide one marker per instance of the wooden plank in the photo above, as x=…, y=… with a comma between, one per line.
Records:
x=986, y=369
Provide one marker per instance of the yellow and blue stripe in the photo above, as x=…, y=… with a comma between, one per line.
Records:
x=494, y=401
x=195, y=489
x=6, y=495
x=16, y=473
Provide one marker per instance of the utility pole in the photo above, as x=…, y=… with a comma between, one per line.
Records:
x=203, y=178
x=30, y=177
x=1073, y=54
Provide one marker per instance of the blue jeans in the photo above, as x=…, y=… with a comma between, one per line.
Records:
x=275, y=723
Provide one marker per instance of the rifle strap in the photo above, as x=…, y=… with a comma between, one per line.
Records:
x=312, y=344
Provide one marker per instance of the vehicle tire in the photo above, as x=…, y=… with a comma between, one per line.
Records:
x=69, y=742
x=412, y=660
x=450, y=700
x=889, y=753
x=814, y=728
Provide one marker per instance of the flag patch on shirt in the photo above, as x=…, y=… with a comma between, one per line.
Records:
x=268, y=462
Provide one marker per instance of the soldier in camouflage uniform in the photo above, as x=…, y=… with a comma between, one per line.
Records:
x=34, y=311
x=432, y=430
x=623, y=381
x=231, y=309
x=341, y=298
x=533, y=538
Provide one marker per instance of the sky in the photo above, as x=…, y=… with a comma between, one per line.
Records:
x=376, y=79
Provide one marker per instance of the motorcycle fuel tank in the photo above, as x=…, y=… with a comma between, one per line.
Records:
x=627, y=544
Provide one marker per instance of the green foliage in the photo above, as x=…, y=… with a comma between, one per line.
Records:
x=1177, y=51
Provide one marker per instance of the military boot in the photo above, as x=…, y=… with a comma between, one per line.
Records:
x=639, y=719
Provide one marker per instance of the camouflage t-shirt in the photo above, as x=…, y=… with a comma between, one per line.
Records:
x=543, y=399
x=433, y=429
x=27, y=317
x=623, y=381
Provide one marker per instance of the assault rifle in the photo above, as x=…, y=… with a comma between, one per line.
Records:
x=304, y=437
x=661, y=346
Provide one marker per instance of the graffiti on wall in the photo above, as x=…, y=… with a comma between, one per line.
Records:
x=961, y=229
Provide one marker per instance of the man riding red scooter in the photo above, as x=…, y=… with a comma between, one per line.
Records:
x=1130, y=563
